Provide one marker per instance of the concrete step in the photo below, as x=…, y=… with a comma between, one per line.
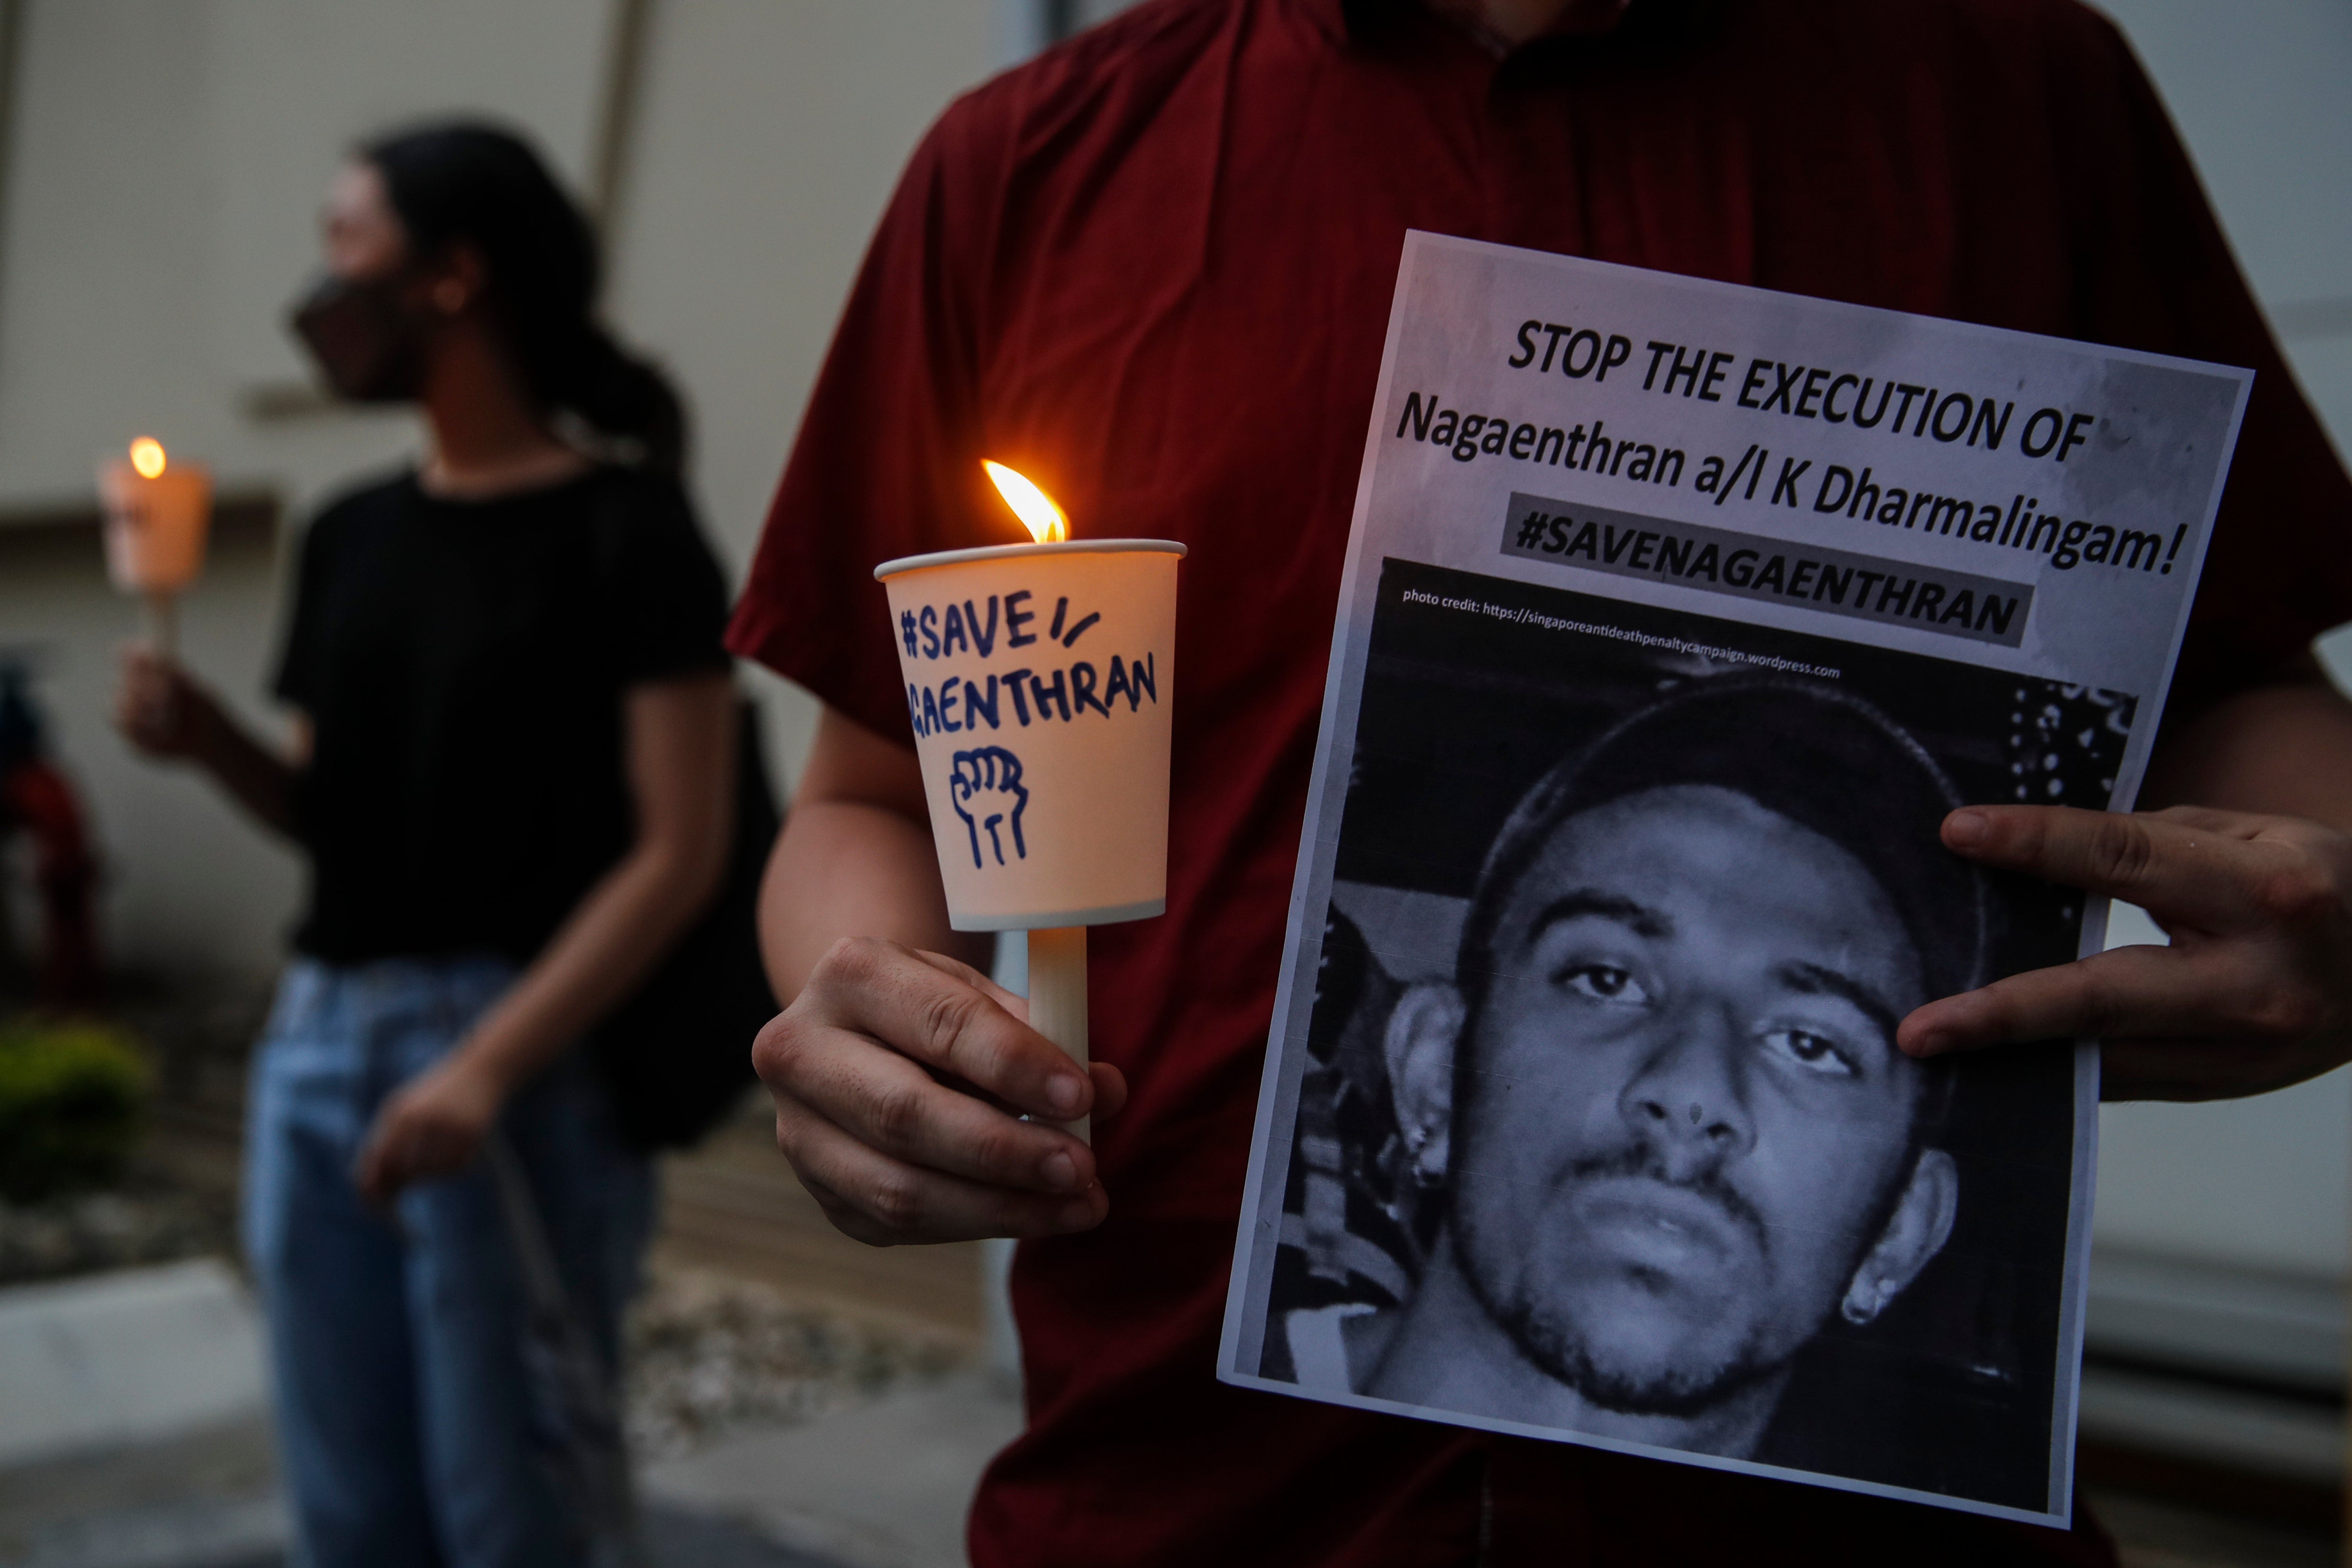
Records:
x=885, y=1486
x=207, y=1498
x=133, y=1431
x=142, y=1355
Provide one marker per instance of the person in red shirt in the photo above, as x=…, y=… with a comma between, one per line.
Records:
x=1151, y=270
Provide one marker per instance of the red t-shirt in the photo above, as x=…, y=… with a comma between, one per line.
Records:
x=1151, y=269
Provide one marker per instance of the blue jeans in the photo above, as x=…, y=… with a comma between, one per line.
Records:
x=412, y=1432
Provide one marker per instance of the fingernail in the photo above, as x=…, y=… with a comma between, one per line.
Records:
x=1075, y=1215
x=1061, y=1171
x=1966, y=829
x=1926, y=1043
x=1064, y=1092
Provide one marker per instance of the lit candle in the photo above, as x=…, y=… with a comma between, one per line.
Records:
x=156, y=512
x=1039, y=682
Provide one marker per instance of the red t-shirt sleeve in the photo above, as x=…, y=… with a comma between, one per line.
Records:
x=2156, y=273
x=887, y=460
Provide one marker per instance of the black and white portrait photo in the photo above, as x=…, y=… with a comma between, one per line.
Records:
x=1600, y=1130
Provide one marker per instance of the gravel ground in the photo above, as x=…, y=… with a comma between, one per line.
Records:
x=709, y=1353
x=148, y=1220
x=197, y=1037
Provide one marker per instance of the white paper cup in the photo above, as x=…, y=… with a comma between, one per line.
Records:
x=1039, y=684
x=154, y=528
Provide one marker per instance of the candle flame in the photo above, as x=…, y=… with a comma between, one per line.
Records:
x=1046, y=522
x=147, y=456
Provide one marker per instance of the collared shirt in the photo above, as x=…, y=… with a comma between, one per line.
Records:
x=1151, y=269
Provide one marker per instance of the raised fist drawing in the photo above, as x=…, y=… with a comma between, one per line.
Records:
x=986, y=789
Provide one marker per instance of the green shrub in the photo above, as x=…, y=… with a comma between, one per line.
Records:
x=72, y=1099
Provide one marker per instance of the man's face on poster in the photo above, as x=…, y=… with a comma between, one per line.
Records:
x=1682, y=1134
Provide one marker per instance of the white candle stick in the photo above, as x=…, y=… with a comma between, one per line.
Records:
x=163, y=625
x=1057, y=998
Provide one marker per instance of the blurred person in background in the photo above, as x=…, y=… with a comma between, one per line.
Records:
x=1152, y=269
x=510, y=768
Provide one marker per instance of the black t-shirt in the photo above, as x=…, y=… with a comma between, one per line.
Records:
x=463, y=665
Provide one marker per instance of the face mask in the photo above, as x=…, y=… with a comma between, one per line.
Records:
x=368, y=345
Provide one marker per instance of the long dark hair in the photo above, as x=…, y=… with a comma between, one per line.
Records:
x=466, y=180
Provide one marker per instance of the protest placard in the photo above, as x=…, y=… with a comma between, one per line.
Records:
x=1676, y=616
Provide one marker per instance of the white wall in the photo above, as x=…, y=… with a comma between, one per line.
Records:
x=113, y=246
x=165, y=165
x=769, y=138
x=2258, y=92
x=163, y=169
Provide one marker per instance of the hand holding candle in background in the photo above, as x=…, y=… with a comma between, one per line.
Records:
x=156, y=516
x=157, y=513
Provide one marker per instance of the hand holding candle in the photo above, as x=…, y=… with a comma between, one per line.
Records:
x=1039, y=682
x=156, y=514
